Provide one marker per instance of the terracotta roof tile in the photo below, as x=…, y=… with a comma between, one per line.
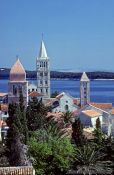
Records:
x=3, y=94
x=17, y=72
x=91, y=113
x=112, y=111
x=34, y=94
x=102, y=105
x=76, y=101
x=59, y=96
x=2, y=123
x=4, y=107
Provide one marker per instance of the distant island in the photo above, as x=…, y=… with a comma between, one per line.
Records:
x=4, y=74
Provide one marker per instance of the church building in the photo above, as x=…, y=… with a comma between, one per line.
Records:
x=43, y=72
x=84, y=90
x=17, y=83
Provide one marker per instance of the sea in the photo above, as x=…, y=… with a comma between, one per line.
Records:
x=100, y=90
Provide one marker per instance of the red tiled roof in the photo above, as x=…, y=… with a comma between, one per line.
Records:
x=3, y=94
x=34, y=94
x=112, y=111
x=4, y=107
x=59, y=96
x=76, y=101
x=102, y=105
x=17, y=72
x=2, y=123
x=91, y=113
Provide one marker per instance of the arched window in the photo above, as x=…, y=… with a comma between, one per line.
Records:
x=66, y=107
x=14, y=90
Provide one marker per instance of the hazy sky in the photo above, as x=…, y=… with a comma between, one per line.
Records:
x=78, y=34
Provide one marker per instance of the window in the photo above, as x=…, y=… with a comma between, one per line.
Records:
x=14, y=90
x=41, y=90
x=46, y=82
x=32, y=90
x=66, y=107
x=45, y=73
x=46, y=90
x=41, y=82
x=41, y=74
x=44, y=64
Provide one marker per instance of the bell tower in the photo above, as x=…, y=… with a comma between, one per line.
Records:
x=17, y=83
x=43, y=72
x=84, y=90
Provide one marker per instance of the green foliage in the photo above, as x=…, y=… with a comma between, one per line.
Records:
x=17, y=134
x=98, y=134
x=3, y=158
x=52, y=153
x=98, y=123
x=36, y=114
x=88, y=160
x=77, y=134
x=108, y=148
x=67, y=117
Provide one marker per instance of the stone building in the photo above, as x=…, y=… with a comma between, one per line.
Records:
x=84, y=89
x=17, y=83
x=43, y=72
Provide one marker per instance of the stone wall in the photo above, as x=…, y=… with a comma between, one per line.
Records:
x=26, y=170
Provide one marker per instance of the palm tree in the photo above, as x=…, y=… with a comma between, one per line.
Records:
x=89, y=161
x=67, y=117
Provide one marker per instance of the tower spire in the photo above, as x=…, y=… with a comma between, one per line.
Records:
x=43, y=52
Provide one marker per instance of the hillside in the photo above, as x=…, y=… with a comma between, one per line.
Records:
x=4, y=74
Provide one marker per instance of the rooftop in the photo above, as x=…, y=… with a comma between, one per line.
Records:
x=17, y=72
x=3, y=94
x=84, y=77
x=35, y=94
x=4, y=107
x=91, y=113
x=102, y=105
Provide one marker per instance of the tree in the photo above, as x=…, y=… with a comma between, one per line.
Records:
x=3, y=157
x=98, y=123
x=36, y=114
x=51, y=152
x=98, y=134
x=77, y=134
x=67, y=117
x=88, y=160
x=17, y=135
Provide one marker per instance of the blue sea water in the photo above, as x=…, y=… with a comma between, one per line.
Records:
x=101, y=90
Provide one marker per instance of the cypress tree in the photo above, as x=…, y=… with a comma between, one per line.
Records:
x=36, y=114
x=77, y=134
x=17, y=134
x=98, y=134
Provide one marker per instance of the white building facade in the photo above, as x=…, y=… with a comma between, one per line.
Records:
x=63, y=103
x=43, y=72
x=84, y=90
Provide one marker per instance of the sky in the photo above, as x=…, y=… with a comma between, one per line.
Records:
x=78, y=34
